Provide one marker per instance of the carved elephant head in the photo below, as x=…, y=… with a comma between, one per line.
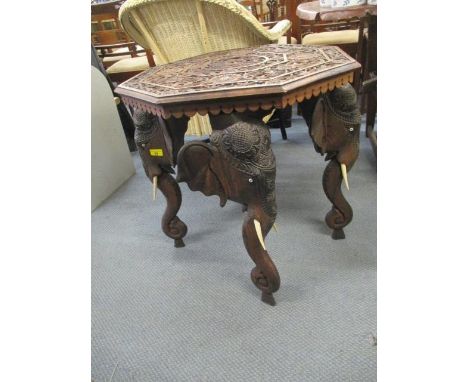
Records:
x=335, y=125
x=199, y=166
x=334, y=120
x=153, y=143
x=238, y=165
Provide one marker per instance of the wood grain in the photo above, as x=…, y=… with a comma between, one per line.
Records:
x=250, y=78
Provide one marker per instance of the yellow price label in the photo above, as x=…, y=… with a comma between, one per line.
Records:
x=156, y=152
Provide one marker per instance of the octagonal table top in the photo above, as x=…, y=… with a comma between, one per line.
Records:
x=250, y=78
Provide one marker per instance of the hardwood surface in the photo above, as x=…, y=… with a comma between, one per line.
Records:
x=251, y=78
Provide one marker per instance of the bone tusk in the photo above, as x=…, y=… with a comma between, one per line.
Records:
x=258, y=228
x=266, y=118
x=274, y=227
x=345, y=175
x=155, y=186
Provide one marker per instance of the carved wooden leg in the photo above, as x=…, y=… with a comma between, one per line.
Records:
x=334, y=121
x=341, y=213
x=239, y=165
x=246, y=146
x=158, y=147
x=171, y=225
x=264, y=275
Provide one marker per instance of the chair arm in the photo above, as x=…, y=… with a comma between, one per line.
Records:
x=112, y=46
x=279, y=29
x=268, y=24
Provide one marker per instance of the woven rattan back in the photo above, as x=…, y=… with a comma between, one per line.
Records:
x=178, y=29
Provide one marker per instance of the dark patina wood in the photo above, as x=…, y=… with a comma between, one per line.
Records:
x=238, y=88
x=262, y=77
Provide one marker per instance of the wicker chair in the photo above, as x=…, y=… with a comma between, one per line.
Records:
x=177, y=29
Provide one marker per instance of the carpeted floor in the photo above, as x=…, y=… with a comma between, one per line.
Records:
x=161, y=313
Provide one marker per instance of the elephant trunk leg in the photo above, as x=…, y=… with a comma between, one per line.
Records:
x=172, y=226
x=341, y=213
x=264, y=275
x=158, y=149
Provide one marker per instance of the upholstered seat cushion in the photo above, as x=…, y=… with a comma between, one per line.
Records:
x=122, y=50
x=283, y=40
x=117, y=58
x=136, y=64
x=349, y=36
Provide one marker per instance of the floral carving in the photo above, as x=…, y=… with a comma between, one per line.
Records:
x=266, y=77
x=267, y=65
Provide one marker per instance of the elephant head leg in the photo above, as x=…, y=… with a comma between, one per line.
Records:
x=335, y=173
x=334, y=121
x=246, y=147
x=264, y=275
x=341, y=212
x=239, y=165
x=171, y=225
x=157, y=149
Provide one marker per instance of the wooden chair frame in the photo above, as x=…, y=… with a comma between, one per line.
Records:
x=352, y=23
x=107, y=51
x=366, y=83
x=278, y=10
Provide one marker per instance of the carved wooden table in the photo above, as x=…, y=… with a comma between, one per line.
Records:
x=237, y=88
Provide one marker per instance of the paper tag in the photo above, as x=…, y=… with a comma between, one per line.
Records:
x=156, y=152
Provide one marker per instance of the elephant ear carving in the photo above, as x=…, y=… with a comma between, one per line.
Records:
x=198, y=166
x=318, y=129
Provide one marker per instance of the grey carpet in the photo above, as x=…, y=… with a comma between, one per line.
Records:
x=192, y=314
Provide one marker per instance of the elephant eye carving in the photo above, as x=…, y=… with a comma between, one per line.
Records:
x=351, y=128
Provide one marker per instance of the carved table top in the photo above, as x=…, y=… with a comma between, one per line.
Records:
x=251, y=78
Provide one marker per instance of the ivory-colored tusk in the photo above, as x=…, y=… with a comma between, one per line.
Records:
x=274, y=227
x=258, y=228
x=155, y=186
x=345, y=175
x=266, y=118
